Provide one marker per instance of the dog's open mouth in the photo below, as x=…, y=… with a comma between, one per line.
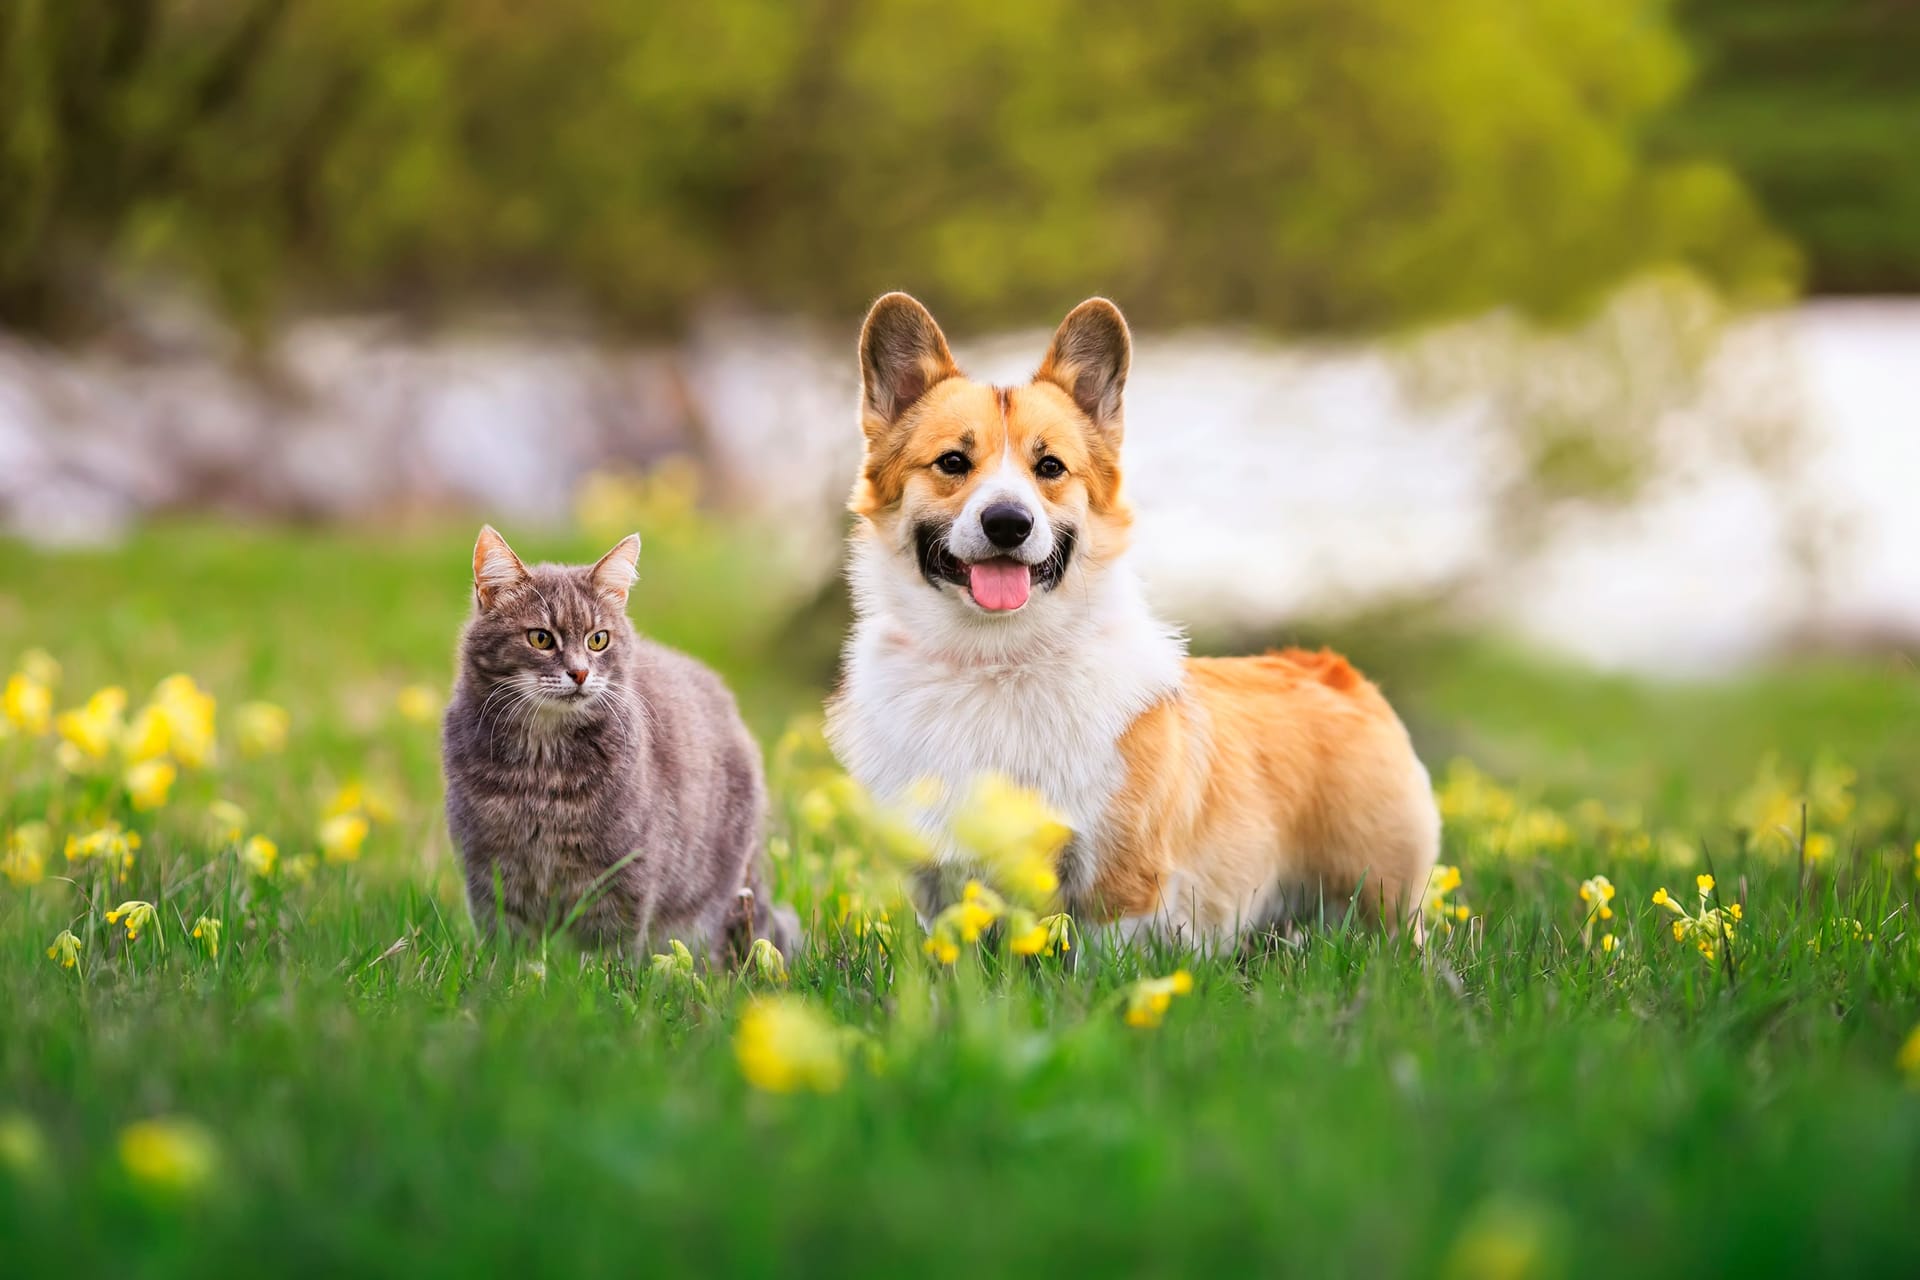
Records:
x=999, y=585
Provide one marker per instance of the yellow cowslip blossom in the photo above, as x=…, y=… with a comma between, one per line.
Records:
x=1607, y=943
x=137, y=914
x=1706, y=927
x=765, y=961
x=1149, y=999
x=189, y=711
x=784, y=1046
x=300, y=868
x=259, y=856
x=964, y=922
x=1467, y=796
x=816, y=809
x=1818, y=847
x=149, y=736
x=65, y=949
x=39, y=666
x=354, y=796
x=207, y=931
x=1436, y=906
x=110, y=845
x=1597, y=892
x=168, y=1155
x=1047, y=935
x=341, y=837
x=148, y=784
x=1505, y=1239
x=25, y=860
x=28, y=704
x=261, y=728
x=90, y=732
x=1015, y=834
x=1908, y=1059
x=417, y=703
x=229, y=821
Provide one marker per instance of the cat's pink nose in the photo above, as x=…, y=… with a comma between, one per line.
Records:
x=580, y=676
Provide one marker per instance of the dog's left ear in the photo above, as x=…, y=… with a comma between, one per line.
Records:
x=613, y=573
x=1089, y=359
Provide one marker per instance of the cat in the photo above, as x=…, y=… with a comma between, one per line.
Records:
x=598, y=781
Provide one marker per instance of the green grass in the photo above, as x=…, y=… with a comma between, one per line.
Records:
x=1348, y=1107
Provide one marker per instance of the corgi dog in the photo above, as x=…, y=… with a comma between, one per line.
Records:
x=999, y=629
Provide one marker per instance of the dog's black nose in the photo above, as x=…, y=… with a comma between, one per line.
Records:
x=1007, y=526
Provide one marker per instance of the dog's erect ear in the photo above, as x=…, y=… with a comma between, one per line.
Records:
x=1089, y=359
x=902, y=354
x=495, y=567
x=613, y=573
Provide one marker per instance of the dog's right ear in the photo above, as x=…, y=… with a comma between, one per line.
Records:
x=495, y=567
x=902, y=355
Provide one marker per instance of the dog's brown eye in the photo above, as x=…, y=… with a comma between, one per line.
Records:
x=540, y=638
x=598, y=641
x=1050, y=468
x=953, y=463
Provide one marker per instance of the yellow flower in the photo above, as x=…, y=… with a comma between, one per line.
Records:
x=1015, y=834
x=300, y=867
x=148, y=783
x=341, y=837
x=89, y=732
x=66, y=949
x=1598, y=892
x=1819, y=846
x=38, y=666
x=1606, y=942
x=1149, y=999
x=261, y=728
x=1031, y=941
x=136, y=913
x=417, y=703
x=259, y=855
x=174, y=1156
x=784, y=1046
x=356, y=796
x=1908, y=1059
x=25, y=862
x=28, y=704
x=207, y=930
x=229, y=820
x=1661, y=898
x=1704, y=883
x=109, y=844
x=189, y=712
x=944, y=950
x=149, y=737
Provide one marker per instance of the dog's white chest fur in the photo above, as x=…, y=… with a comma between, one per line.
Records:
x=1047, y=713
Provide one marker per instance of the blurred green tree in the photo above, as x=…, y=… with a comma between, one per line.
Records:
x=1308, y=165
x=1817, y=103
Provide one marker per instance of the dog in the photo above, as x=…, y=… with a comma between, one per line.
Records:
x=999, y=629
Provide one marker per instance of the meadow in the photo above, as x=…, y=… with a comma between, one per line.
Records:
x=1662, y=1026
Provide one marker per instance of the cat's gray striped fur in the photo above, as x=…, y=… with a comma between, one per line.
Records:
x=616, y=786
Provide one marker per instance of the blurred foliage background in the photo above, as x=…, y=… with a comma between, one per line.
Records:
x=1307, y=165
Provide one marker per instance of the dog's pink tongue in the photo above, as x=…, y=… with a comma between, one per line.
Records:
x=999, y=584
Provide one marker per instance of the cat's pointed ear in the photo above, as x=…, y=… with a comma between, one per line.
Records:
x=902, y=354
x=614, y=572
x=1089, y=359
x=495, y=567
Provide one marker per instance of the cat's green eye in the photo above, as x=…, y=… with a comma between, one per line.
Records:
x=540, y=638
x=598, y=641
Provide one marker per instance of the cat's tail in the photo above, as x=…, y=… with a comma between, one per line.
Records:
x=757, y=915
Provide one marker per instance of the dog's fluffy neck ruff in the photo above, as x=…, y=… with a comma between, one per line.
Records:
x=930, y=692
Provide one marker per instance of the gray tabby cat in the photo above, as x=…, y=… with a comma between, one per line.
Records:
x=586, y=765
